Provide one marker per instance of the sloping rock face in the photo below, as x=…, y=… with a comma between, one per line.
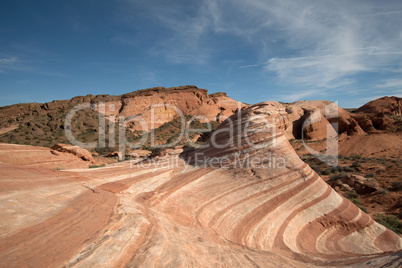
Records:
x=294, y=212
x=34, y=156
x=384, y=105
x=246, y=200
x=380, y=114
x=312, y=120
x=365, y=122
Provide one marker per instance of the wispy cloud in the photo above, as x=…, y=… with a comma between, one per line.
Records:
x=332, y=43
x=9, y=63
x=391, y=83
x=295, y=96
x=182, y=31
x=311, y=45
x=16, y=64
x=249, y=66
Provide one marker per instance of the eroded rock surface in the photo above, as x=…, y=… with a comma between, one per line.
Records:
x=317, y=120
x=250, y=203
x=75, y=150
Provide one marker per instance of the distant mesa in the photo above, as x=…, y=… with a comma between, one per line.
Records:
x=153, y=108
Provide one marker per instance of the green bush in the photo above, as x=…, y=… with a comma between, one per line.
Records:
x=383, y=191
x=316, y=168
x=356, y=201
x=356, y=164
x=96, y=166
x=326, y=172
x=356, y=156
x=390, y=221
x=397, y=186
x=351, y=195
x=335, y=177
x=370, y=175
x=380, y=171
x=348, y=169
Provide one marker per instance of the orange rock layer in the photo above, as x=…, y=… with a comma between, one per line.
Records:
x=243, y=200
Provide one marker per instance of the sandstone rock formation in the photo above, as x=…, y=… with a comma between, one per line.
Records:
x=141, y=110
x=140, y=153
x=33, y=156
x=247, y=200
x=75, y=150
x=380, y=114
x=313, y=120
x=384, y=105
x=190, y=100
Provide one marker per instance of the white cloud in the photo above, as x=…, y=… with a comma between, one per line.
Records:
x=305, y=44
x=182, y=30
x=9, y=63
x=250, y=66
x=296, y=96
x=16, y=64
x=391, y=83
x=323, y=44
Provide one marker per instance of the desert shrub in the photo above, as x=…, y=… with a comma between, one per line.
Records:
x=348, y=169
x=326, y=172
x=370, y=175
x=356, y=164
x=380, y=170
x=336, y=169
x=105, y=150
x=390, y=221
x=96, y=166
x=332, y=170
x=356, y=201
x=351, y=195
x=356, y=156
x=397, y=186
x=316, y=168
x=154, y=150
x=334, y=177
x=354, y=198
x=383, y=191
x=362, y=208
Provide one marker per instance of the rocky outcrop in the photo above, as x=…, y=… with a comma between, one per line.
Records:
x=380, y=114
x=364, y=122
x=141, y=111
x=361, y=184
x=317, y=120
x=39, y=157
x=168, y=103
x=75, y=150
x=136, y=154
x=384, y=105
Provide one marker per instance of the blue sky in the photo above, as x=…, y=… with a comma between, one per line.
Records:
x=255, y=50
